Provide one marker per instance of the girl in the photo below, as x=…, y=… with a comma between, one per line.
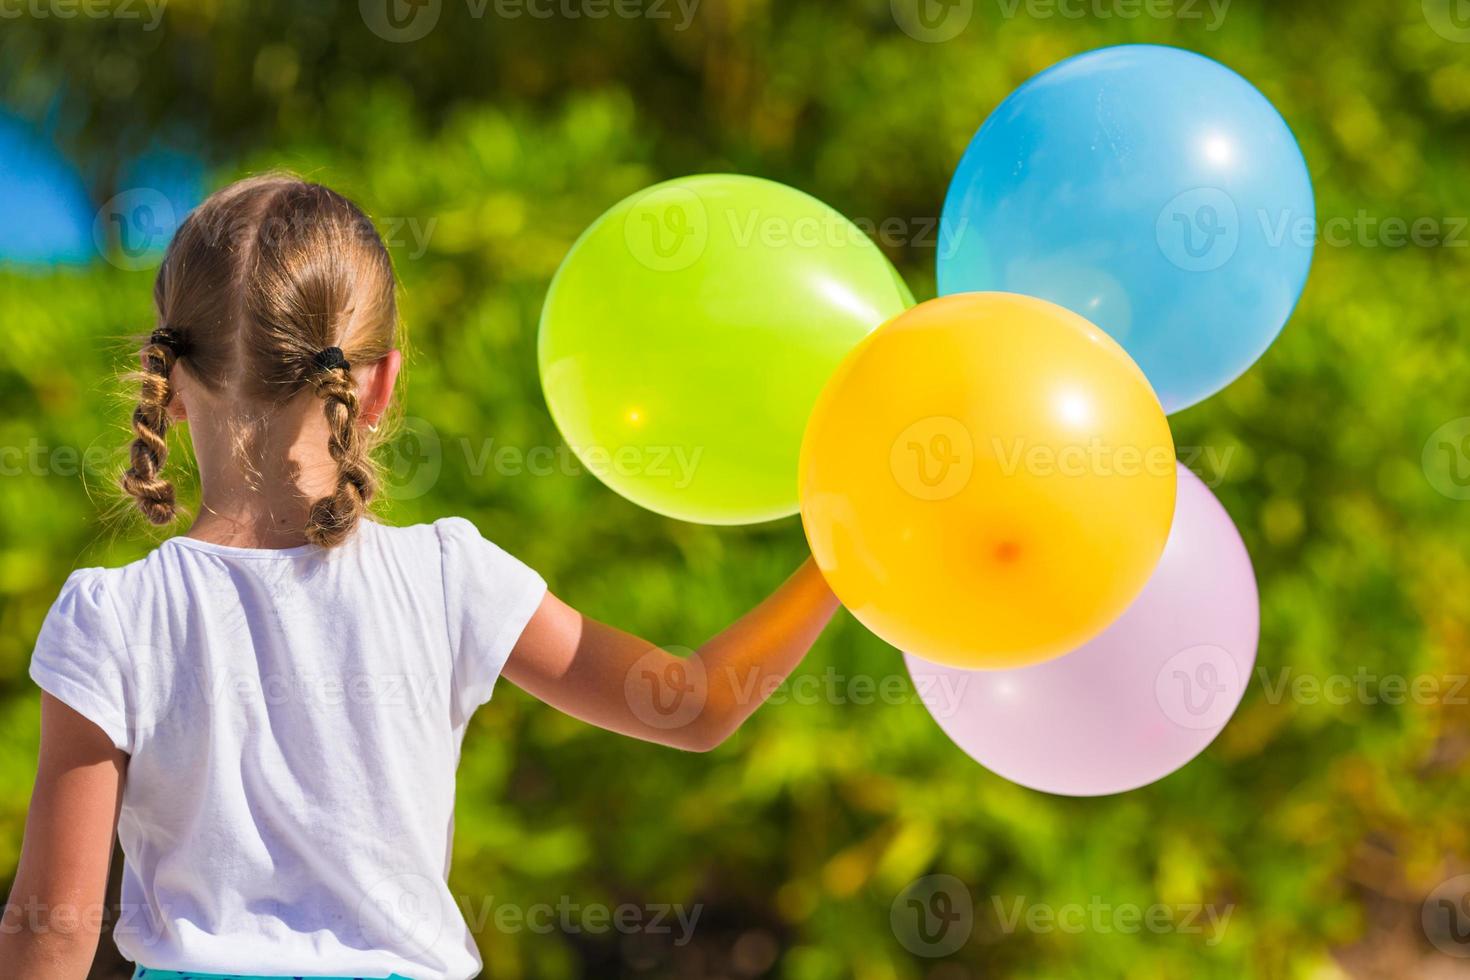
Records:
x=268, y=710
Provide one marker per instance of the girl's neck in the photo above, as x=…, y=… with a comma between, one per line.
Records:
x=249, y=529
x=257, y=493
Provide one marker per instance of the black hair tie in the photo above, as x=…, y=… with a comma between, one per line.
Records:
x=330, y=359
x=169, y=339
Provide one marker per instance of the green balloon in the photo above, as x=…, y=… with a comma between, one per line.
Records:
x=687, y=334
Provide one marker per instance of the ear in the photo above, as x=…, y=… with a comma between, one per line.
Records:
x=177, y=409
x=376, y=387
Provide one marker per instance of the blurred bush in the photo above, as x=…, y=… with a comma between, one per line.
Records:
x=483, y=148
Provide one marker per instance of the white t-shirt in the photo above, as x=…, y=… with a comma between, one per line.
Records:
x=293, y=720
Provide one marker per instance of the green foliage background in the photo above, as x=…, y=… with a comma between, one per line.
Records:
x=1323, y=825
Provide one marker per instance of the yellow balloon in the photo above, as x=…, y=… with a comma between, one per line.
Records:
x=987, y=481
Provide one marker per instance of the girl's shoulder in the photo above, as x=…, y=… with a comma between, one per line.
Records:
x=95, y=585
x=179, y=565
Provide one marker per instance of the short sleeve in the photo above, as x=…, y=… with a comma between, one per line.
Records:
x=489, y=597
x=79, y=656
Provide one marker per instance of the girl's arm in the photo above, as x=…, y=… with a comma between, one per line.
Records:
x=616, y=681
x=54, y=916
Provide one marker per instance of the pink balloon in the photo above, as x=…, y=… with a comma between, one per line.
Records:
x=1140, y=700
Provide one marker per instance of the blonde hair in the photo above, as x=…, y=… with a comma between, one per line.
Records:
x=271, y=287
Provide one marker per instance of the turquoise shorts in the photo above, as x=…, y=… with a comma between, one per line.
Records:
x=144, y=973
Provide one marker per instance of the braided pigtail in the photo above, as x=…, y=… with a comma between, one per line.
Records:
x=153, y=494
x=333, y=518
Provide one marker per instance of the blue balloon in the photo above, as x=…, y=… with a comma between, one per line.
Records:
x=1151, y=190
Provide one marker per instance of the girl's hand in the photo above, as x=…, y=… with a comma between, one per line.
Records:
x=56, y=907
x=624, y=684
